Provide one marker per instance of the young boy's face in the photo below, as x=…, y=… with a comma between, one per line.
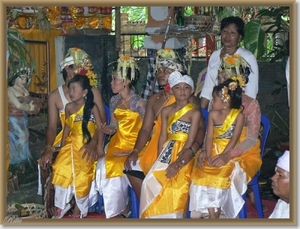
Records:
x=182, y=91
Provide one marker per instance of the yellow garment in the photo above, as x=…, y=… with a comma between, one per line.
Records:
x=129, y=125
x=69, y=169
x=149, y=153
x=173, y=194
x=249, y=161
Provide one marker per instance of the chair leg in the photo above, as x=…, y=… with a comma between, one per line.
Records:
x=243, y=212
x=188, y=213
x=258, y=202
x=99, y=203
x=135, y=204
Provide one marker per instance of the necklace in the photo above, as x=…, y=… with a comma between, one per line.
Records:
x=167, y=98
x=19, y=90
x=124, y=102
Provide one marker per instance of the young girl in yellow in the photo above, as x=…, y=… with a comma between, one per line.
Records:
x=225, y=124
x=73, y=176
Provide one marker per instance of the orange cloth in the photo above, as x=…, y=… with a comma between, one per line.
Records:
x=149, y=153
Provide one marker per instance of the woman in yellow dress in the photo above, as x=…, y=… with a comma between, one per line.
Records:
x=165, y=189
x=73, y=176
x=127, y=113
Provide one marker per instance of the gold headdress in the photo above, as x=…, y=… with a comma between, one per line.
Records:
x=236, y=67
x=82, y=64
x=225, y=96
x=167, y=58
x=126, y=62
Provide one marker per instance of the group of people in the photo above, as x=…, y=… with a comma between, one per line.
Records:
x=159, y=147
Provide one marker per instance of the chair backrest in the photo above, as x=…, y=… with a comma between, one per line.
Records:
x=107, y=113
x=205, y=116
x=266, y=129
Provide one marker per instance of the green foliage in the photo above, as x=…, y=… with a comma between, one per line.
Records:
x=254, y=38
x=19, y=54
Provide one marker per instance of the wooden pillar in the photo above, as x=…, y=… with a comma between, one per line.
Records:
x=118, y=29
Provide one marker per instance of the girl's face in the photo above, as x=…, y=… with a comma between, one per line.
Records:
x=162, y=76
x=76, y=92
x=217, y=103
x=182, y=91
x=230, y=36
x=117, y=83
x=22, y=80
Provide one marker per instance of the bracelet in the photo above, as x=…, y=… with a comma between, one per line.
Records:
x=134, y=150
x=192, y=151
x=51, y=148
x=198, y=143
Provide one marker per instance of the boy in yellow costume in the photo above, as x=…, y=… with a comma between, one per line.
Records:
x=164, y=192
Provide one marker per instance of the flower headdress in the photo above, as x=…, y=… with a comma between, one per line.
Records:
x=125, y=62
x=82, y=64
x=236, y=67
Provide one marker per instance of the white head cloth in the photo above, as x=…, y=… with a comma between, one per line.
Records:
x=284, y=161
x=176, y=78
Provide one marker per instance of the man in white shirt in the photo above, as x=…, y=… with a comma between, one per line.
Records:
x=281, y=187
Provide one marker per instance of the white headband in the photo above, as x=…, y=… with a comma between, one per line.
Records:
x=284, y=161
x=176, y=78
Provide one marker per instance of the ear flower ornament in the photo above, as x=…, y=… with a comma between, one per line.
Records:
x=125, y=62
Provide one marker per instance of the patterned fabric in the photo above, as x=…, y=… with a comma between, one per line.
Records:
x=18, y=134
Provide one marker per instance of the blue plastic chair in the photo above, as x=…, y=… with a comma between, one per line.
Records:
x=254, y=183
x=98, y=206
x=135, y=203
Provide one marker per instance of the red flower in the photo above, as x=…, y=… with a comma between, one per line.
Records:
x=167, y=88
x=82, y=72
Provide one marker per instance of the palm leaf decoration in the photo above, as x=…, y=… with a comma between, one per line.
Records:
x=19, y=54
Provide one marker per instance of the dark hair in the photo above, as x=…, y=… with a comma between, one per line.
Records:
x=128, y=74
x=89, y=103
x=65, y=73
x=235, y=95
x=240, y=24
